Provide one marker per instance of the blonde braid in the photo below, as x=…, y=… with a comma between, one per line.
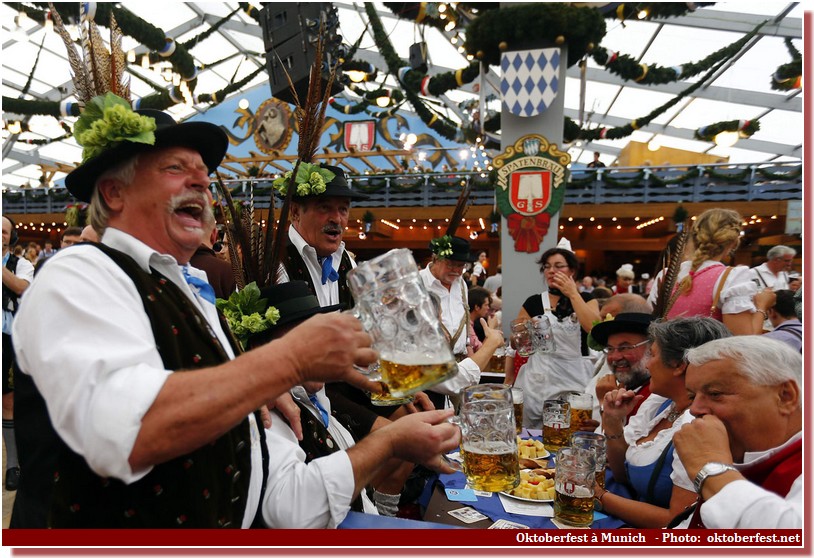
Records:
x=714, y=230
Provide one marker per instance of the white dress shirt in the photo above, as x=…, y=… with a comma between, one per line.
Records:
x=454, y=306
x=765, y=278
x=87, y=343
x=327, y=294
x=313, y=495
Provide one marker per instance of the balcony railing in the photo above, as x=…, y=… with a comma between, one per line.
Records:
x=701, y=183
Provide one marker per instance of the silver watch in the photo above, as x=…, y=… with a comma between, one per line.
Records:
x=710, y=470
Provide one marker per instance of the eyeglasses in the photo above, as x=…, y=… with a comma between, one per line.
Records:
x=556, y=266
x=624, y=348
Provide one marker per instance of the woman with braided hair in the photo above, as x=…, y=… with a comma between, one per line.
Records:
x=705, y=286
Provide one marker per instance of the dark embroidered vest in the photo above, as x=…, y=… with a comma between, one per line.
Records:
x=297, y=270
x=206, y=488
x=318, y=442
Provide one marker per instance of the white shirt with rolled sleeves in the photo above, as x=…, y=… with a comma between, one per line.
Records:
x=744, y=505
x=86, y=341
x=315, y=495
x=327, y=294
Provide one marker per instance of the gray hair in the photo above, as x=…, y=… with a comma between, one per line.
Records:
x=629, y=302
x=675, y=337
x=762, y=360
x=99, y=211
x=779, y=252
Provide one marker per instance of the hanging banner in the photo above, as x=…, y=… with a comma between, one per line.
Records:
x=530, y=188
x=360, y=135
x=529, y=80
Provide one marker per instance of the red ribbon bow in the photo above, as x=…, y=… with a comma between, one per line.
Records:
x=528, y=230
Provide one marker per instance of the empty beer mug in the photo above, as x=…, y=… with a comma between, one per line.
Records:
x=521, y=339
x=396, y=310
x=574, y=486
x=596, y=443
x=542, y=334
x=489, y=439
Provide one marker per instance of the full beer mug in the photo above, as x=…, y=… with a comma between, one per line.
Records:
x=574, y=486
x=596, y=443
x=556, y=424
x=385, y=398
x=488, y=438
x=582, y=409
x=396, y=310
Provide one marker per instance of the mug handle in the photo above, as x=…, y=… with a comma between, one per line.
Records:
x=457, y=465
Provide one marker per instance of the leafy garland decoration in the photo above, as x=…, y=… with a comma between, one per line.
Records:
x=627, y=67
x=745, y=129
x=789, y=76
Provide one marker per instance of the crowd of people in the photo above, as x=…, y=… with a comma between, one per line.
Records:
x=133, y=406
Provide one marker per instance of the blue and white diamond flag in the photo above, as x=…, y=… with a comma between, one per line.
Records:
x=530, y=80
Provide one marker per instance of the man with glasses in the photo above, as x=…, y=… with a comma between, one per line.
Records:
x=625, y=344
x=774, y=273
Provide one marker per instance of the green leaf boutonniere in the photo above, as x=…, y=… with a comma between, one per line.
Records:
x=247, y=313
x=311, y=180
x=106, y=122
x=442, y=246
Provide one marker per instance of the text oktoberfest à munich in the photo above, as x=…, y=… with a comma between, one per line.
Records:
x=661, y=537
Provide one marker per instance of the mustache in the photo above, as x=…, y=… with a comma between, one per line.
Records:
x=197, y=198
x=332, y=228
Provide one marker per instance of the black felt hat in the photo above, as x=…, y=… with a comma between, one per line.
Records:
x=337, y=188
x=207, y=139
x=626, y=322
x=295, y=302
x=460, y=250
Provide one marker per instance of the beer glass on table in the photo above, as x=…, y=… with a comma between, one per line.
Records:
x=556, y=424
x=517, y=398
x=396, y=310
x=582, y=407
x=595, y=442
x=574, y=487
x=488, y=438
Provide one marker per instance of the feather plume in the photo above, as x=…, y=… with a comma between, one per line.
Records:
x=669, y=266
x=118, y=62
x=460, y=209
x=99, y=61
x=81, y=79
x=311, y=120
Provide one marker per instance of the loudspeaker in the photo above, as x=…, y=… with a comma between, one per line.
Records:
x=290, y=34
x=418, y=57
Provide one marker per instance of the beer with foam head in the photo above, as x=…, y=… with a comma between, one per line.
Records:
x=556, y=424
x=581, y=409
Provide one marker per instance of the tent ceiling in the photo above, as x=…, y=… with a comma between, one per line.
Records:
x=741, y=90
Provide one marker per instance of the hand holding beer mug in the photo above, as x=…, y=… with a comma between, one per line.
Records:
x=556, y=424
x=396, y=310
x=385, y=398
x=597, y=444
x=488, y=438
x=574, y=486
x=542, y=335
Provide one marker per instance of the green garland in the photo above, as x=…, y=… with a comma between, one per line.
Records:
x=745, y=128
x=250, y=11
x=658, y=181
x=438, y=123
x=789, y=76
x=517, y=27
x=734, y=177
x=796, y=173
x=441, y=83
x=632, y=181
x=627, y=67
x=655, y=10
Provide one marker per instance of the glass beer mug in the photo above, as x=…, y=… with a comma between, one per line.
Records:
x=488, y=438
x=574, y=486
x=396, y=310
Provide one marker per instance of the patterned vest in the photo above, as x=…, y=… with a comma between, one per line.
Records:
x=297, y=270
x=206, y=488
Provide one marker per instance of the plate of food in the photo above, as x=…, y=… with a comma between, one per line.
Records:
x=532, y=453
x=536, y=485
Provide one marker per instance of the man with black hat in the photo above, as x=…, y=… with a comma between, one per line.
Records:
x=314, y=482
x=316, y=251
x=443, y=276
x=108, y=329
x=625, y=343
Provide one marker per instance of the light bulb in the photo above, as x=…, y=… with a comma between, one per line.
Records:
x=726, y=139
x=356, y=75
x=383, y=101
x=243, y=104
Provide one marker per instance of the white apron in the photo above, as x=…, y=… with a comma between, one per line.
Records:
x=554, y=374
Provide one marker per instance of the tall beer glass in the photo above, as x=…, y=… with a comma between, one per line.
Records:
x=556, y=424
x=574, y=486
x=596, y=443
x=396, y=310
x=582, y=408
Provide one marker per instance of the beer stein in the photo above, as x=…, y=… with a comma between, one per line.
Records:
x=396, y=310
x=574, y=486
x=595, y=442
x=556, y=424
x=582, y=409
x=488, y=439
x=521, y=337
x=542, y=335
